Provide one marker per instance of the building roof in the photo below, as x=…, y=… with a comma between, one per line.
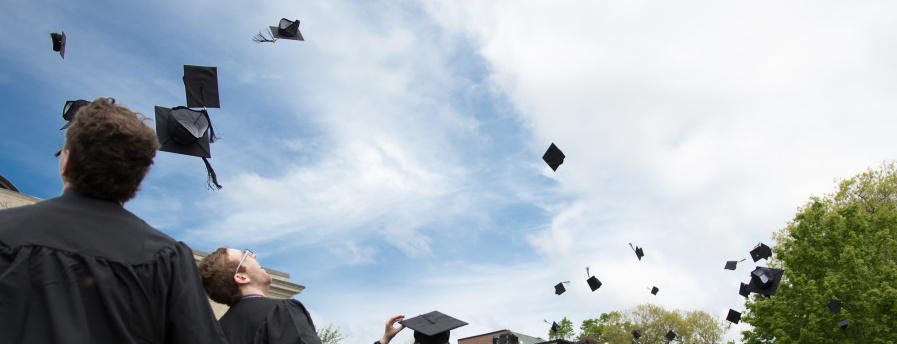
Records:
x=522, y=338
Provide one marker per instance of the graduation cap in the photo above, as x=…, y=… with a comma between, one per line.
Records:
x=71, y=107
x=559, y=288
x=638, y=251
x=671, y=335
x=553, y=157
x=554, y=325
x=654, y=290
x=593, y=281
x=743, y=290
x=844, y=323
x=636, y=334
x=287, y=29
x=433, y=327
x=834, y=306
x=201, y=84
x=761, y=251
x=59, y=43
x=730, y=265
x=733, y=317
x=765, y=281
x=185, y=131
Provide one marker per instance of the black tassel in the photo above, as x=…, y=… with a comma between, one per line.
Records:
x=213, y=178
x=58, y=153
x=212, y=136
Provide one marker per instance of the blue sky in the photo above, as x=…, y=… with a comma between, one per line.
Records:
x=391, y=163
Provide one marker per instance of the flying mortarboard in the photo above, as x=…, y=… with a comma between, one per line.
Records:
x=636, y=334
x=71, y=107
x=433, y=327
x=287, y=29
x=844, y=323
x=559, y=288
x=671, y=335
x=59, y=43
x=761, y=251
x=733, y=317
x=743, y=290
x=638, y=251
x=730, y=265
x=201, y=84
x=834, y=306
x=654, y=290
x=185, y=131
x=555, y=327
x=593, y=281
x=553, y=157
x=765, y=281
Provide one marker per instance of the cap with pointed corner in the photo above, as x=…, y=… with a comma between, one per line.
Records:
x=553, y=157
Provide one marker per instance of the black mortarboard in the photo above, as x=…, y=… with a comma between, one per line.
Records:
x=555, y=327
x=71, y=107
x=733, y=317
x=59, y=43
x=654, y=290
x=594, y=283
x=765, y=281
x=743, y=290
x=761, y=252
x=636, y=334
x=559, y=288
x=638, y=251
x=185, y=131
x=201, y=84
x=843, y=324
x=287, y=29
x=834, y=306
x=433, y=327
x=731, y=265
x=671, y=335
x=553, y=157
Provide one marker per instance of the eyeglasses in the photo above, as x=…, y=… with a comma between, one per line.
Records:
x=246, y=252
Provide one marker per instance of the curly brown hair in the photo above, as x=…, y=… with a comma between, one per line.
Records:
x=217, y=274
x=110, y=149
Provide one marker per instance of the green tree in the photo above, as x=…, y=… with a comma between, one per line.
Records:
x=564, y=333
x=594, y=328
x=330, y=335
x=653, y=322
x=840, y=246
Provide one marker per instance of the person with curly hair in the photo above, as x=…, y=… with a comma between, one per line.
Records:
x=80, y=268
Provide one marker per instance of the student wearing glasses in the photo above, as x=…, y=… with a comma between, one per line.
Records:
x=235, y=278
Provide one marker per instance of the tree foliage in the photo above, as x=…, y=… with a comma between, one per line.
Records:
x=330, y=335
x=653, y=322
x=594, y=328
x=566, y=332
x=842, y=246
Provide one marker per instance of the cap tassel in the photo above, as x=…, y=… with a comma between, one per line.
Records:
x=212, y=136
x=587, y=272
x=213, y=178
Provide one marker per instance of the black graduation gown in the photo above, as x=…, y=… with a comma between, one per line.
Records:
x=262, y=320
x=75, y=269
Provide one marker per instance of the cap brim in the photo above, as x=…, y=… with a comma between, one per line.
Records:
x=275, y=31
x=199, y=148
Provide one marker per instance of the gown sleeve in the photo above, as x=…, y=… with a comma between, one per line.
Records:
x=190, y=318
